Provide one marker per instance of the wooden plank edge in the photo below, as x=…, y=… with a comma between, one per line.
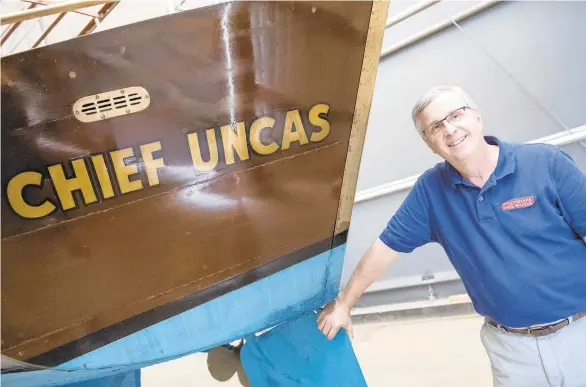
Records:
x=372, y=49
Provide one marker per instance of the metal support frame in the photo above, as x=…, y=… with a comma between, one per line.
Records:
x=48, y=30
x=438, y=27
x=13, y=27
x=410, y=11
x=95, y=22
x=46, y=3
x=413, y=281
x=50, y=10
x=461, y=299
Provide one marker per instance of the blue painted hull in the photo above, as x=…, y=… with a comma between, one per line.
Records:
x=263, y=304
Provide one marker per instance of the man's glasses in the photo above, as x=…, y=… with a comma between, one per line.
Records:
x=452, y=118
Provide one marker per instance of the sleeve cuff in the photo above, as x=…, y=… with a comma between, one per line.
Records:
x=398, y=247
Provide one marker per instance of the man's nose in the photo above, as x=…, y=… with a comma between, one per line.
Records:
x=449, y=129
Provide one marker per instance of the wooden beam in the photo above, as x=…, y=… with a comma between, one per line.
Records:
x=66, y=6
x=13, y=28
x=374, y=39
x=40, y=2
x=103, y=12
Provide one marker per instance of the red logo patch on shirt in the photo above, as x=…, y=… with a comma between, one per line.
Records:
x=515, y=204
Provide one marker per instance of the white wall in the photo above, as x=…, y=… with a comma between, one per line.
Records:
x=527, y=64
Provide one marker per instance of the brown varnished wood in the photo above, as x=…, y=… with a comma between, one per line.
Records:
x=73, y=273
x=133, y=258
x=275, y=64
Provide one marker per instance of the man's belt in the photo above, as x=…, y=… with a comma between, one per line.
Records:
x=541, y=330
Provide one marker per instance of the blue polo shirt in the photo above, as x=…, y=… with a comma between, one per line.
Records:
x=516, y=243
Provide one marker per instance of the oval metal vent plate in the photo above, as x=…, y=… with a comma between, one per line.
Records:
x=111, y=104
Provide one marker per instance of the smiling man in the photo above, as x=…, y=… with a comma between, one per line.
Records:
x=512, y=220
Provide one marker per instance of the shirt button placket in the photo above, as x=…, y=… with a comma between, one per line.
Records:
x=483, y=208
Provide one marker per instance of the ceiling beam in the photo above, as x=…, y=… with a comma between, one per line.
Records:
x=49, y=29
x=13, y=28
x=103, y=12
x=40, y=2
x=66, y=6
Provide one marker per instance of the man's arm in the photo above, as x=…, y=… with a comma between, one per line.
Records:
x=408, y=229
x=570, y=183
x=336, y=314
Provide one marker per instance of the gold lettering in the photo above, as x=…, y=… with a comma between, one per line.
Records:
x=316, y=120
x=14, y=192
x=234, y=140
x=255, y=132
x=151, y=164
x=122, y=171
x=293, y=119
x=103, y=176
x=195, y=150
x=65, y=187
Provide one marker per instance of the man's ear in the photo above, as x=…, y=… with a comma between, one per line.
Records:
x=479, y=118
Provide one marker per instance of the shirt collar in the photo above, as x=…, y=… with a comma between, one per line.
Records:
x=505, y=164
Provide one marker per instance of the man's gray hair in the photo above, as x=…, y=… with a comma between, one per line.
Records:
x=432, y=94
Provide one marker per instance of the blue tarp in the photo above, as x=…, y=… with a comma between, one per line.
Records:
x=297, y=354
x=128, y=379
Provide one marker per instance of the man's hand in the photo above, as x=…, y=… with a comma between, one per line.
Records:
x=335, y=315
